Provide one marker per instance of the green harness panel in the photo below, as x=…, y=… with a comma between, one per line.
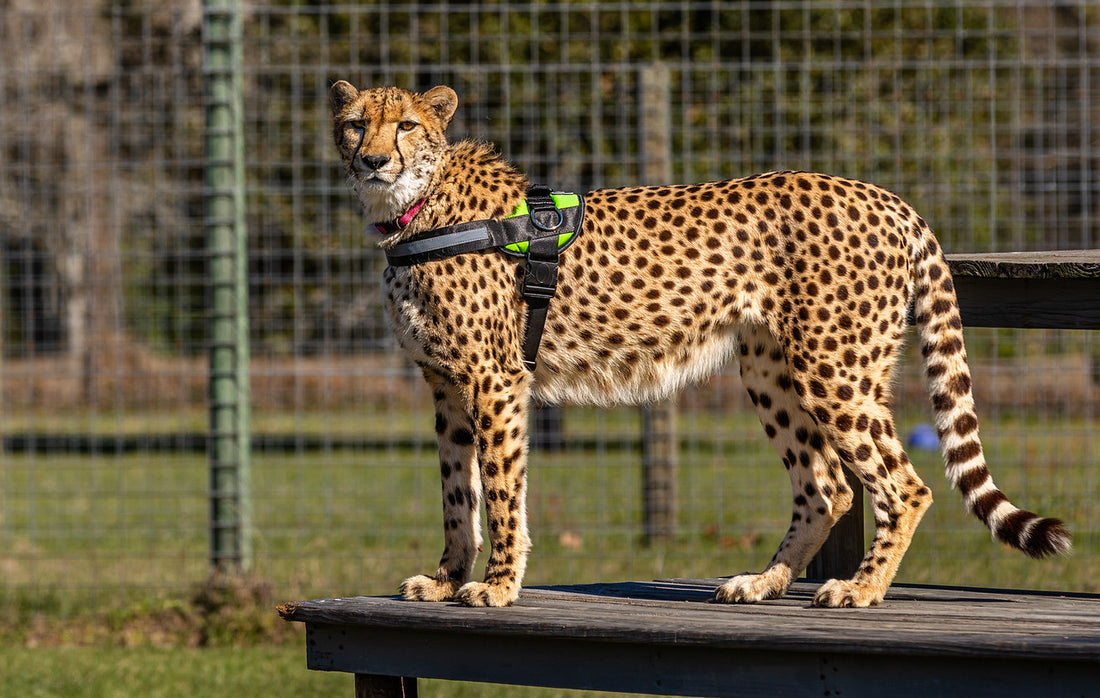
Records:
x=562, y=201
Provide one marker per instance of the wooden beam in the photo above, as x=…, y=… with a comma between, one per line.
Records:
x=1055, y=290
x=380, y=686
x=1066, y=303
x=843, y=551
x=1054, y=264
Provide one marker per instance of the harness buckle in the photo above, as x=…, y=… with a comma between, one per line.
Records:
x=540, y=279
x=539, y=205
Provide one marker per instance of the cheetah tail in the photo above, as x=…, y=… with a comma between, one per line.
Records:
x=945, y=365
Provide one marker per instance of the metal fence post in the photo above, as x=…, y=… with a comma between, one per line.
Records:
x=227, y=241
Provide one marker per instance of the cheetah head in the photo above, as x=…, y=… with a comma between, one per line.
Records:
x=392, y=142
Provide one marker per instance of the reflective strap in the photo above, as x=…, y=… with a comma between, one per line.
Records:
x=465, y=237
x=462, y=237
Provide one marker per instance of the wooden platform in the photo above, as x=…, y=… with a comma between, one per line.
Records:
x=669, y=637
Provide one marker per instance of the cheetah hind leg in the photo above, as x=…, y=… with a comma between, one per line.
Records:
x=898, y=501
x=820, y=491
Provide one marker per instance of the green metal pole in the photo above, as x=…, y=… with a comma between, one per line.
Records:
x=227, y=247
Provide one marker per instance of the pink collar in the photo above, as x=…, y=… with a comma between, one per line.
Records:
x=391, y=227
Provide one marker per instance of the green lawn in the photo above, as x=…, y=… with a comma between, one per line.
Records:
x=272, y=672
x=163, y=673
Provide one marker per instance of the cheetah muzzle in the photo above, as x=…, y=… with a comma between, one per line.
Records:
x=806, y=278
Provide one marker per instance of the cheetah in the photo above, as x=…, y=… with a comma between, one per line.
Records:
x=807, y=278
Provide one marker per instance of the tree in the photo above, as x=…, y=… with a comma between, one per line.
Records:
x=81, y=81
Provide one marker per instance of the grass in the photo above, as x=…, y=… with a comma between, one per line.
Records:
x=103, y=558
x=163, y=673
x=274, y=672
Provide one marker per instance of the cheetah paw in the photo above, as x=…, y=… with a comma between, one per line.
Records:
x=424, y=588
x=843, y=593
x=750, y=588
x=482, y=594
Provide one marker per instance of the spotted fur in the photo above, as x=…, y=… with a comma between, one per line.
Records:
x=806, y=278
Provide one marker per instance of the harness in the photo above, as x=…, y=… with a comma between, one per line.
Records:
x=539, y=229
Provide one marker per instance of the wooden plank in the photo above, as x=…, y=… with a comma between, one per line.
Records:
x=1068, y=303
x=1054, y=290
x=669, y=637
x=701, y=671
x=1058, y=264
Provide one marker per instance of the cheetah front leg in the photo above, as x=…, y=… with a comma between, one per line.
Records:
x=458, y=468
x=499, y=414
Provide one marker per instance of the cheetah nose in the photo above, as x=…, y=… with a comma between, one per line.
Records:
x=375, y=162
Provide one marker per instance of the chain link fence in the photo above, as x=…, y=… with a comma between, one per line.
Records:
x=985, y=115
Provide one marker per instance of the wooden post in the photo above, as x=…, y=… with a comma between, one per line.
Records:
x=376, y=686
x=655, y=124
x=660, y=443
x=660, y=469
x=843, y=551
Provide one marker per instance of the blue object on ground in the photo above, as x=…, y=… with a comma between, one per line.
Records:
x=923, y=437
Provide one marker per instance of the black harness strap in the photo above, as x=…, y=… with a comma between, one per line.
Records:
x=541, y=230
x=540, y=281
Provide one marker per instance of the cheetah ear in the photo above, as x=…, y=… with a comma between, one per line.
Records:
x=443, y=102
x=341, y=94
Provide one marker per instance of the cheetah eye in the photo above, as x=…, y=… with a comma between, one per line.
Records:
x=358, y=124
x=407, y=125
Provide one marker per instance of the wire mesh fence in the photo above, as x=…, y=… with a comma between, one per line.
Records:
x=985, y=115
